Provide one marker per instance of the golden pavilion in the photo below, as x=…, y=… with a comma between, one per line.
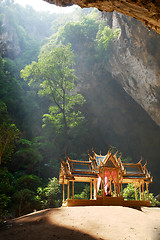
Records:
x=107, y=176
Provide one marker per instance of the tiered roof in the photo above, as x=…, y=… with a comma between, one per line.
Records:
x=74, y=169
x=136, y=171
x=83, y=170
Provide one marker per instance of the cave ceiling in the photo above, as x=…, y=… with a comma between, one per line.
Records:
x=145, y=11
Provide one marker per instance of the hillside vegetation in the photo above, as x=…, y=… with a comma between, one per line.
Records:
x=57, y=97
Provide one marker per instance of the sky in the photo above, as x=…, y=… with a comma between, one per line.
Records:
x=40, y=5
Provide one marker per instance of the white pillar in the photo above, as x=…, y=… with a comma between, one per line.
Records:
x=95, y=189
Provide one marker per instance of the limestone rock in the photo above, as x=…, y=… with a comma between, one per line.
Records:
x=134, y=62
x=9, y=41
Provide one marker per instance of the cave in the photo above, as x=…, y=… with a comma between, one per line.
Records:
x=123, y=96
x=147, y=12
x=135, y=52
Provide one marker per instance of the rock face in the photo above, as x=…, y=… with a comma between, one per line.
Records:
x=9, y=41
x=123, y=96
x=116, y=119
x=147, y=12
x=134, y=62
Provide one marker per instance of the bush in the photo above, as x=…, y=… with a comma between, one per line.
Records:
x=50, y=196
x=152, y=199
x=85, y=194
x=31, y=182
x=4, y=202
x=7, y=188
x=129, y=194
x=7, y=182
x=25, y=202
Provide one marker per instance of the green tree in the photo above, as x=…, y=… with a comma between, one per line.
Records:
x=31, y=182
x=25, y=201
x=53, y=76
x=85, y=194
x=129, y=194
x=4, y=201
x=8, y=133
x=30, y=152
x=50, y=196
x=106, y=35
x=7, y=188
x=96, y=37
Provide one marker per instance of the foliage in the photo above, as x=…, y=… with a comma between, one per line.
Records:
x=25, y=201
x=7, y=182
x=26, y=194
x=7, y=188
x=30, y=152
x=83, y=41
x=106, y=35
x=129, y=194
x=8, y=133
x=54, y=74
x=50, y=196
x=25, y=31
x=31, y=182
x=85, y=194
x=85, y=29
x=4, y=202
x=154, y=202
x=91, y=32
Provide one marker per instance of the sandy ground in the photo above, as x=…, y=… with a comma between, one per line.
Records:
x=88, y=223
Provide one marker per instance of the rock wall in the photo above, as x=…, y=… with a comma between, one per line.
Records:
x=134, y=62
x=9, y=40
x=115, y=119
x=123, y=96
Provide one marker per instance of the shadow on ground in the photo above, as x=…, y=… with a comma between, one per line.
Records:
x=38, y=227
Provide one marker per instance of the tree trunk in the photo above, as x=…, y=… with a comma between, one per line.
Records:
x=65, y=134
x=20, y=207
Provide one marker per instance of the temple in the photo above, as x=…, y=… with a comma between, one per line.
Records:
x=107, y=176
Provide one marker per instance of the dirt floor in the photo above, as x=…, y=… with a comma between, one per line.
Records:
x=88, y=223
